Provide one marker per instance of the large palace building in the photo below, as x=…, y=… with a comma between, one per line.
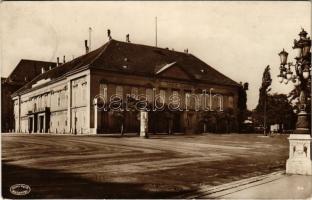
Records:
x=61, y=99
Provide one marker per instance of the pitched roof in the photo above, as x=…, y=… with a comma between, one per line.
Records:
x=137, y=59
x=27, y=69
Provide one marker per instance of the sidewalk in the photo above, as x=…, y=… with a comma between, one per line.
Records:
x=276, y=185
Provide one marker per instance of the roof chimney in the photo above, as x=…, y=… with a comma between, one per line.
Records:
x=57, y=61
x=42, y=70
x=185, y=50
x=128, y=38
x=86, y=46
x=64, y=61
x=109, y=34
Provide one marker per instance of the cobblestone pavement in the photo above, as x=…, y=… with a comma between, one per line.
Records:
x=63, y=166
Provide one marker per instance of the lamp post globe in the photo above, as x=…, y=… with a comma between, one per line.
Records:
x=283, y=56
x=306, y=73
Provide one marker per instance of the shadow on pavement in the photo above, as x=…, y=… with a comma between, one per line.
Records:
x=56, y=184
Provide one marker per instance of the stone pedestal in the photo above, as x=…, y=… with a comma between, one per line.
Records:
x=143, y=123
x=300, y=158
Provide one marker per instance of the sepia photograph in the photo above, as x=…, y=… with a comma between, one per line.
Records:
x=155, y=99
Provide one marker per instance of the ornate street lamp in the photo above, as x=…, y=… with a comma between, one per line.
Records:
x=283, y=55
x=299, y=161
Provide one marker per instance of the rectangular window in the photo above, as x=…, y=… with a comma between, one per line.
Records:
x=134, y=92
x=39, y=103
x=204, y=100
x=175, y=97
x=119, y=91
x=217, y=103
x=162, y=94
x=59, y=99
x=231, y=102
x=149, y=95
x=221, y=103
x=46, y=101
x=103, y=91
x=187, y=100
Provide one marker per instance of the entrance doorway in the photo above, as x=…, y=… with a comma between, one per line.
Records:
x=30, y=122
x=190, y=122
x=35, y=123
x=41, y=124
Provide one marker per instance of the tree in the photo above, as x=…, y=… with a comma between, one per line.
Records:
x=279, y=111
x=266, y=83
x=263, y=92
x=242, y=105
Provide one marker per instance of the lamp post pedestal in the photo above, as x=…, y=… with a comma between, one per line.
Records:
x=144, y=124
x=300, y=157
x=302, y=125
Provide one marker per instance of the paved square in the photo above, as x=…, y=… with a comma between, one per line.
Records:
x=63, y=166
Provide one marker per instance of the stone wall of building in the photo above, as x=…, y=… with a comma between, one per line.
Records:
x=60, y=107
x=109, y=84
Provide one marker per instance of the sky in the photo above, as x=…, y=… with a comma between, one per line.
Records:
x=239, y=39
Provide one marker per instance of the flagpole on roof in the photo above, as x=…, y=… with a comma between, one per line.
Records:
x=156, y=31
x=90, y=30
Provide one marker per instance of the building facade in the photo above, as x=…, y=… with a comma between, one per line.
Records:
x=25, y=71
x=65, y=99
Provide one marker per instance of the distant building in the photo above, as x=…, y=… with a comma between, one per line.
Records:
x=25, y=71
x=61, y=100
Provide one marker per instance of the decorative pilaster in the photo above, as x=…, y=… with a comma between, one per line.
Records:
x=95, y=116
x=69, y=110
x=89, y=100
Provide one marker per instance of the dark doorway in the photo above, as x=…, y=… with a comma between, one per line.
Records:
x=103, y=126
x=132, y=124
x=190, y=122
x=159, y=122
x=30, y=121
x=35, y=123
x=41, y=121
x=176, y=122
